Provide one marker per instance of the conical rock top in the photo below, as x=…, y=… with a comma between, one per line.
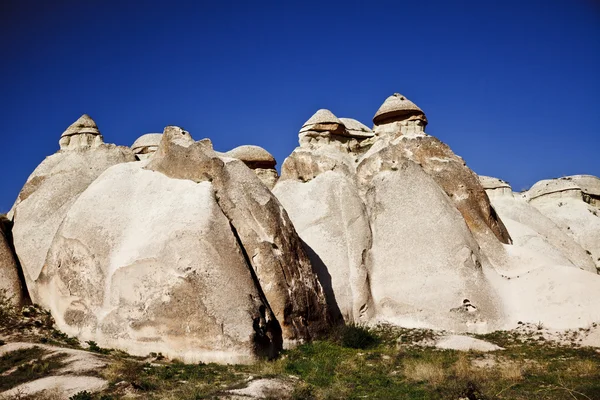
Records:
x=85, y=124
x=321, y=121
x=396, y=107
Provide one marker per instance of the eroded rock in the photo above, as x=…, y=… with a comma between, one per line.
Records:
x=259, y=160
x=51, y=190
x=189, y=255
x=146, y=145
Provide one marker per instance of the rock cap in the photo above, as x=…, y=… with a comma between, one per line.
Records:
x=253, y=156
x=397, y=107
x=587, y=184
x=321, y=121
x=489, y=182
x=356, y=128
x=147, y=140
x=85, y=124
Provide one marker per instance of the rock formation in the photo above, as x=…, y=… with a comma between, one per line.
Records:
x=537, y=240
x=401, y=122
x=53, y=187
x=10, y=281
x=189, y=254
x=573, y=204
x=146, y=145
x=350, y=200
x=402, y=231
x=259, y=160
x=82, y=133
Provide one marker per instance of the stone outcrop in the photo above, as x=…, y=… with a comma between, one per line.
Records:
x=53, y=187
x=349, y=203
x=146, y=145
x=10, y=281
x=189, y=255
x=573, y=204
x=259, y=160
x=537, y=240
x=402, y=231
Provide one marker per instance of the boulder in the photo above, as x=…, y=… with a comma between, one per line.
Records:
x=189, y=255
x=146, y=145
x=51, y=190
x=259, y=160
x=10, y=281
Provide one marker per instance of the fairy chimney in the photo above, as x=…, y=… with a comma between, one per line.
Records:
x=397, y=113
x=259, y=160
x=82, y=134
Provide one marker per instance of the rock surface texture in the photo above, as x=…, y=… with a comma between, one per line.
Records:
x=51, y=190
x=189, y=255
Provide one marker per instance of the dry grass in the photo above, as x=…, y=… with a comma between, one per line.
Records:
x=431, y=372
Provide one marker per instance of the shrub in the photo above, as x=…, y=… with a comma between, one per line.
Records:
x=358, y=337
x=85, y=395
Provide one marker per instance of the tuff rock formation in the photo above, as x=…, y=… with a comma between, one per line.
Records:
x=10, y=281
x=400, y=122
x=187, y=253
x=573, y=204
x=259, y=160
x=51, y=190
x=537, y=240
x=402, y=231
x=349, y=202
x=146, y=145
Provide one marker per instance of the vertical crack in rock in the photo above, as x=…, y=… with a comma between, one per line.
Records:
x=13, y=275
x=268, y=339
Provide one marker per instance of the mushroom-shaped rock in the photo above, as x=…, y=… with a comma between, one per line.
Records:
x=146, y=145
x=206, y=265
x=253, y=156
x=494, y=186
x=10, y=283
x=323, y=121
x=47, y=196
x=398, y=108
x=81, y=134
x=259, y=160
x=459, y=182
x=356, y=128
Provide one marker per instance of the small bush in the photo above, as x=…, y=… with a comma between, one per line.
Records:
x=358, y=337
x=85, y=395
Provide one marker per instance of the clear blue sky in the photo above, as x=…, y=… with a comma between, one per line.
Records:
x=512, y=86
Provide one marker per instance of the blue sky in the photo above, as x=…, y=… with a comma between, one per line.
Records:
x=512, y=86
